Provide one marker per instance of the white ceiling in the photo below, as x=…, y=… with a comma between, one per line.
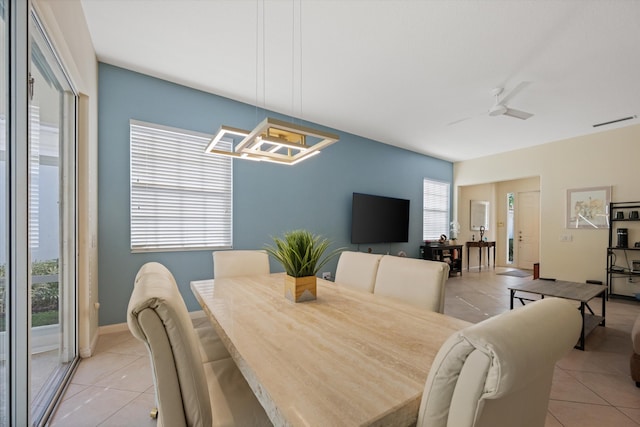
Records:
x=399, y=72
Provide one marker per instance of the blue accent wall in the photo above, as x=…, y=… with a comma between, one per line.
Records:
x=268, y=199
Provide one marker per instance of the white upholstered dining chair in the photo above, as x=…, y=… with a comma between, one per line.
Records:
x=188, y=391
x=498, y=373
x=414, y=281
x=357, y=270
x=240, y=263
x=228, y=264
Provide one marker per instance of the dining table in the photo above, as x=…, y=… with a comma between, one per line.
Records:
x=347, y=358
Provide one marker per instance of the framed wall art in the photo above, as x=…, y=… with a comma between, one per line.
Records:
x=588, y=207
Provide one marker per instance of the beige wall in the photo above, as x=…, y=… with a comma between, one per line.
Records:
x=608, y=158
x=66, y=27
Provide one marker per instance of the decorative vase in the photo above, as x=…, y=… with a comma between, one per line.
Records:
x=300, y=289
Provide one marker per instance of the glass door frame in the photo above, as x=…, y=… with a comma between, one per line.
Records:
x=19, y=20
x=18, y=273
x=68, y=222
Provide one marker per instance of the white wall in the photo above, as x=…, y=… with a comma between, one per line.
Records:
x=609, y=158
x=66, y=26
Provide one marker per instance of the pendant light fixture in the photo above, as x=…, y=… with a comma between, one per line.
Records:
x=273, y=140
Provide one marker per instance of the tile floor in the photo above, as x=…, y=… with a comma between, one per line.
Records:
x=590, y=388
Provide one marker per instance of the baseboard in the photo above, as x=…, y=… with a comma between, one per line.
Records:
x=88, y=352
x=111, y=329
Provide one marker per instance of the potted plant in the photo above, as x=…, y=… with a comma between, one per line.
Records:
x=301, y=253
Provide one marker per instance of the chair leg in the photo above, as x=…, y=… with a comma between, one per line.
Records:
x=154, y=413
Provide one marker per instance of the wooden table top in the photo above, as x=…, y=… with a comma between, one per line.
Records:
x=576, y=291
x=348, y=358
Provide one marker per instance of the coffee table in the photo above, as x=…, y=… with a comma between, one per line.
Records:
x=581, y=292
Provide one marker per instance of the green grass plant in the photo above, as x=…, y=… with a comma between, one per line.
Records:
x=301, y=252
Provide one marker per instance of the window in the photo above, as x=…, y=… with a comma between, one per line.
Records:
x=435, y=218
x=180, y=196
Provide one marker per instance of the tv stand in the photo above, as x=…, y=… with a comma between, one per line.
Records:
x=451, y=254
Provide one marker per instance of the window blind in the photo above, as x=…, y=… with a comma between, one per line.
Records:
x=34, y=177
x=435, y=220
x=181, y=197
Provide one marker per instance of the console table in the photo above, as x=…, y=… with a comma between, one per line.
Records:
x=480, y=245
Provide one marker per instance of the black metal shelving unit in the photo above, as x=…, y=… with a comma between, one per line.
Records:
x=620, y=265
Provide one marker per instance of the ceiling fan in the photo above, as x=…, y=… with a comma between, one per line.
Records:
x=500, y=108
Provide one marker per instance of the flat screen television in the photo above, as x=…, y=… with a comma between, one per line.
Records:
x=378, y=219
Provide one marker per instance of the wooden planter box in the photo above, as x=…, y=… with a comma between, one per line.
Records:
x=300, y=289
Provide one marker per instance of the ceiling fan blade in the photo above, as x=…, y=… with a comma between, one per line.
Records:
x=514, y=91
x=457, y=121
x=466, y=118
x=517, y=114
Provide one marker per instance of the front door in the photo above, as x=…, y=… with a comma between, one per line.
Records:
x=528, y=237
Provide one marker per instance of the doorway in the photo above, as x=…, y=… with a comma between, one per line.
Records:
x=527, y=240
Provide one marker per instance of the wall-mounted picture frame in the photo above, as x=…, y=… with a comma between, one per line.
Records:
x=588, y=207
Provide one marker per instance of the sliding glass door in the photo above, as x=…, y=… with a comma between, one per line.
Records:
x=38, y=326
x=52, y=224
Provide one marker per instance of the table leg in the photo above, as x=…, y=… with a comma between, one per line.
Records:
x=480, y=258
x=580, y=345
x=488, y=257
x=494, y=257
x=604, y=298
x=468, y=258
x=513, y=293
